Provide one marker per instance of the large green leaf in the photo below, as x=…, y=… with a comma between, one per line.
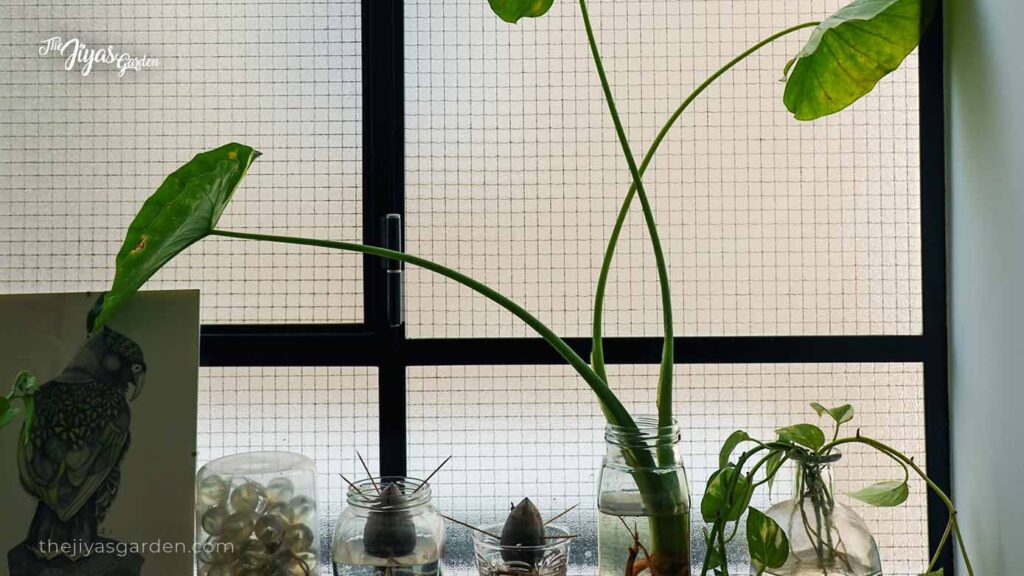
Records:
x=735, y=439
x=769, y=547
x=807, y=435
x=182, y=211
x=715, y=495
x=512, y=10
x=885, y=494
x=849, y=52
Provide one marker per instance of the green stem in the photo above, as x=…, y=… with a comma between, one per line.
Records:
x=960, y=541
x=667, y=362
x=900, y=457
x=613, y=408
x=718, y=528
x=938, y=549
x=597, y=357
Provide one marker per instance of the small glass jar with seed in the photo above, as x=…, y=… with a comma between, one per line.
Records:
x=389, y=528
x=256, y=514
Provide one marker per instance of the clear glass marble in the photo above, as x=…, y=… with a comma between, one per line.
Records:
x=826, y=537
x=389, y=528
x=256, y=514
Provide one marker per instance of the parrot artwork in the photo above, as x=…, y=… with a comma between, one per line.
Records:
x=70, y=452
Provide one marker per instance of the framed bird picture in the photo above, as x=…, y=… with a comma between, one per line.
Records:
x=97, y=467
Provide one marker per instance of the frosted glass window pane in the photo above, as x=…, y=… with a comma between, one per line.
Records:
x=536, y=431
x=771, y=226
x=79, y=154
x=326, y=414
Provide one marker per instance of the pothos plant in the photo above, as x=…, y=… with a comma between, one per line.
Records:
x=845, y=56
x=731, y=487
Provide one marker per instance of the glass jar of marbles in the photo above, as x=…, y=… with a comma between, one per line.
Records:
x=389, y=528
x=256, y=514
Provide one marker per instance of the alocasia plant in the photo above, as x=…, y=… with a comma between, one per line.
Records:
x=846, y=56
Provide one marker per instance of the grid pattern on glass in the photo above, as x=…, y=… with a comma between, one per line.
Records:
x=79, y=153
x=326, y=414
x=518, y=431
x=771, y=226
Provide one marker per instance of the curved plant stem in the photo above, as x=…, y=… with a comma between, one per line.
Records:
x=902, y=459
x=938, y=549
x=597, y=356
x=667, y=362
x=613, y=408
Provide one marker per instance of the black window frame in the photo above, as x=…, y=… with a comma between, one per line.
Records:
x=378, y=343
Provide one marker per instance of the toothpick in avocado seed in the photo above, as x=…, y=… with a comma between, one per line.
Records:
x=436, y=470
x=368, y=473
x=349, y=482
x=560, y=514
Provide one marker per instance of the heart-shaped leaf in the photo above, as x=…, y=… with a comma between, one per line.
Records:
x=734, y=440
x=841, y=414
x=807, y=435
x=769, y=547
x=714, y=500
x=512, y=10
x=182, y=211
x=849, y=52
x=886, y=494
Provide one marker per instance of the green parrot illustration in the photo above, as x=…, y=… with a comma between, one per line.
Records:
x=69, y=456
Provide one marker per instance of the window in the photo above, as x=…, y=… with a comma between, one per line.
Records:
x=807, y=259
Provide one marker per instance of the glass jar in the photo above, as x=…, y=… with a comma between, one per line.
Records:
x=643, y=498
x=256, y=512
x=389, y=528
x=493, y=559
x=825, y=536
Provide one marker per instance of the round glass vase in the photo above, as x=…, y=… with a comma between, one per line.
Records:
x=826, y=537
x=389, y=528
x=493, y=559
x=643, y=502
x=256, y=513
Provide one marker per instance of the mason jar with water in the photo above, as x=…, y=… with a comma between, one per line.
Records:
x=643, y=502
x=389, y=528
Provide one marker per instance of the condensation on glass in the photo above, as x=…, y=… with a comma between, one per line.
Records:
x=771, y=226
x=327, y=414
x=536, y=431
x=80, y=153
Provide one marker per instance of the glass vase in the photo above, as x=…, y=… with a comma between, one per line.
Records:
x=256, y=514
x=643, y=502
x=826, y=537
x=389, y=528
x=493, y=559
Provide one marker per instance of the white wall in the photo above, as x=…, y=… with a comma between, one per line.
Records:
x=985, y=123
